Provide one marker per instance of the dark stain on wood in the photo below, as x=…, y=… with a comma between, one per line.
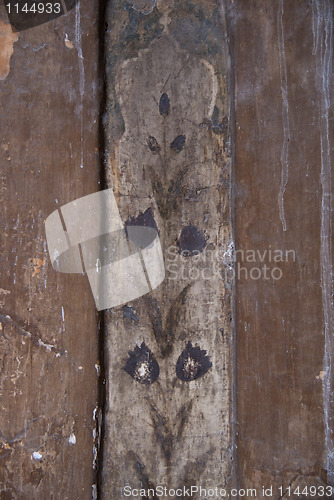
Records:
x=164, y=105
x=192, y=363
x=153, y=145
x=129, y=313
x=178, y=144
x=143, y=219
x=167, y=201
x=142, y=365
x=192, y=241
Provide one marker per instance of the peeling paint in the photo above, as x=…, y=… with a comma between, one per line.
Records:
x=72, y=439
x=68, y=42
x=321, y=375
x=37, y=263
x=7, y=40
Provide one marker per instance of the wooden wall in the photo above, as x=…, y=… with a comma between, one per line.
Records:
x=75, y=105
x=49, y=327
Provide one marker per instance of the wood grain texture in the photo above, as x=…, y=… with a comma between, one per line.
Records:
x=169, y=166
x=49, y=338
x=280, y=145
x=187, y=84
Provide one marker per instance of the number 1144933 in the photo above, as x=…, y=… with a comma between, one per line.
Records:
x=35, y=8
x=306, y=492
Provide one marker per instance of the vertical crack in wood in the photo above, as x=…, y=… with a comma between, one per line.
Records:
x=229, y=20
x=101, y=403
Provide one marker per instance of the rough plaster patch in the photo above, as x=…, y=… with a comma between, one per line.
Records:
x=7, y=40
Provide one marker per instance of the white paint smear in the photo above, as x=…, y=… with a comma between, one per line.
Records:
x=72, y=439
x=285, y=114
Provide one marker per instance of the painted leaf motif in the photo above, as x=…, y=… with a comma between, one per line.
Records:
x=178, y=143
x=192, y=241
x=153, y=145
x=142, y=365
x=164, y=105
x=192, y=363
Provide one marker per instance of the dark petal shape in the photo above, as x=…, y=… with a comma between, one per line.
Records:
x=153, y=145
x=142, y=365
x=192, y=363
x=178, y=143
x=143, y=219
x=164, y=105
x=192, y=241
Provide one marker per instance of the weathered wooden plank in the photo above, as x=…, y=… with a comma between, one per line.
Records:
x=49, y=138
x=168, y=406
x=282, y=58
x=168, y=410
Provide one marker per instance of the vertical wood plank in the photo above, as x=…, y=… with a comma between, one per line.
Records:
x=282, y=53
x=169, y=165
x=49, y=156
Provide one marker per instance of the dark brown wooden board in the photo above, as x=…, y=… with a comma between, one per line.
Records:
x=282, y=55
x=50, y=101
x=167, y=137
x=262, y=413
